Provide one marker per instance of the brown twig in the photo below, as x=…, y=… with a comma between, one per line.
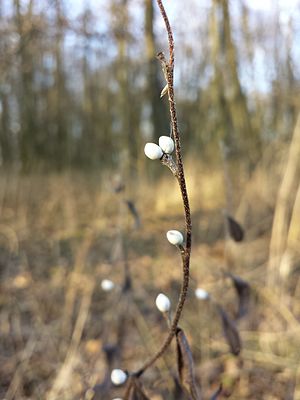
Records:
x=168, y=68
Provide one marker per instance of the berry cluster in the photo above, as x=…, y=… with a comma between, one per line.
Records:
x=155, y=152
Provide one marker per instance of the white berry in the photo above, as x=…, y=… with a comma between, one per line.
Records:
x=153, y=151
x=118, y=377
x=175, y=237
x=163, y=303
x=107, y=285
x=201, y=294
x=167, y=144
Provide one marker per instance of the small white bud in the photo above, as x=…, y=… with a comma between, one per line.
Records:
x=163, y=303
x=107, y=285
x=201, y=294
x=175, y=237
x=153, y=151
x=167, y=144
x=118, y=377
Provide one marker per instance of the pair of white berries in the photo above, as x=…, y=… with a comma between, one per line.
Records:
x=155, y=152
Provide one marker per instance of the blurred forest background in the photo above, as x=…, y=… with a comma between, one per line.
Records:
x=79, y=97
x=80, y=88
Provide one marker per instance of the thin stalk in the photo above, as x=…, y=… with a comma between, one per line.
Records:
x=186, y=251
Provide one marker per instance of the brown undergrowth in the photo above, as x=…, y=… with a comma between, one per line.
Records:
x=59, y=239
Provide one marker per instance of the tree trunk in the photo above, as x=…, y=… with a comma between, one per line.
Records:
x=62, y=151
x=246, y=139
x=159, y=112
x=27, y=102
x=5, y=134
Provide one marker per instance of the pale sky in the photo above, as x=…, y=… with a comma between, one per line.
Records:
x=75, y=6
x=268, y=5
x=287, y=6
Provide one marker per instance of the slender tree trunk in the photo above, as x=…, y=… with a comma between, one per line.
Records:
x=247, y=139
x=27, y=103
x=126, y=101
x=159, y=112
x=86, y=150
x=62, y=143
x=277, y=271
x=5, y=134
x=224, y=125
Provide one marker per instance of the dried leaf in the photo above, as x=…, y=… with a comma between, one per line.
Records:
x=243, y=291
x=217, y=393
x=230, y=331
x=101, y=390
x=127, y=284
x=164, y=91
x=111, y=352
x=185, y=365
x=236, y=232
x=178, y=392
x=134, y=213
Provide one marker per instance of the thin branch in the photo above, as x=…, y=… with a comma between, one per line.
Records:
x=168, y=68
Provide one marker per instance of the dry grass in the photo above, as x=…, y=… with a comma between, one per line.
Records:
x=60, y=236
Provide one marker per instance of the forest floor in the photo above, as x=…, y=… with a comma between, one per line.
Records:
x=61, y=235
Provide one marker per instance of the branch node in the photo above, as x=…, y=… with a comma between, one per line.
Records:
x=168, y=161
